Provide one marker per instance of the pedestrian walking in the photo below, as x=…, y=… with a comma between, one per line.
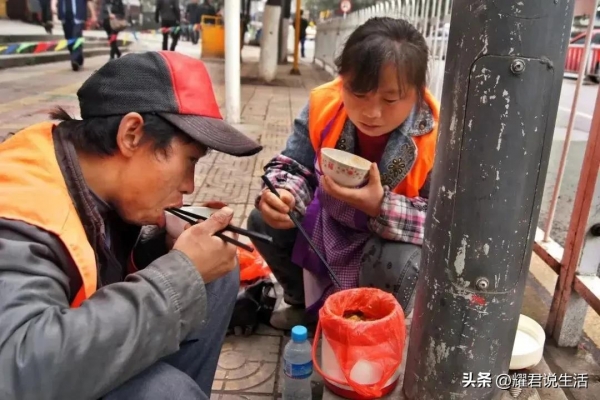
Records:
x=113, y=21
x=193, y=15
x=206, y=8
x=41, y=11
x=371, y=236
x=302, y=38
x=98, y=301
x=168, y=15
x=73, y=15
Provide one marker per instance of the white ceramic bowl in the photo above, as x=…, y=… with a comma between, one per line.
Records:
x=175, y=224
x=529, y=342
x=346, y=169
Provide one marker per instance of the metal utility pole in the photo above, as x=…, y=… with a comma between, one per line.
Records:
x=284, y=29
x=232, y=61
x=502, y=84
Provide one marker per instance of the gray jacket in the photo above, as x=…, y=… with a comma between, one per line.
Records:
x=51, y=351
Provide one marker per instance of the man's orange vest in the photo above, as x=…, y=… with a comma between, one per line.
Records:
x=325, y=107
x=33, y=190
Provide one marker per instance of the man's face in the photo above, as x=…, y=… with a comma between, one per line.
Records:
x=152, y=180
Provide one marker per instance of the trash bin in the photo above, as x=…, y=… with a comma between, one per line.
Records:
x=213, y=37
x=3, y=13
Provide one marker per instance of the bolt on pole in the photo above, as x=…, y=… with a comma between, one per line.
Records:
x=501, y=90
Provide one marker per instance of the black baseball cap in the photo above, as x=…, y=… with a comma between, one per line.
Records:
x=172, y=85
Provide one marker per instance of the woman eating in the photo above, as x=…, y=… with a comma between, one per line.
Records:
x=378, y=108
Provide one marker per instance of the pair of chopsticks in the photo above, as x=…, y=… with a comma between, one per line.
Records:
x=298, y=225
x=194, y=218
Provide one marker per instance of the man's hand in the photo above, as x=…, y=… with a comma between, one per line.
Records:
x=212, y=256
x=366, y=199
x=275, y=210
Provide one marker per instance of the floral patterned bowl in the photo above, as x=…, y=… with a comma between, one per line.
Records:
x=346, y=169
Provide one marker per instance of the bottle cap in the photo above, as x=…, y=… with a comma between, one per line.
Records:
x=299, y=333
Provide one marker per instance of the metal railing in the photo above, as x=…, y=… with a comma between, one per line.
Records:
x=577, y=263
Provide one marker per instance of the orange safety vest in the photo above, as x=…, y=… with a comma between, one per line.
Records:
x=33, y=190
x=325, y=107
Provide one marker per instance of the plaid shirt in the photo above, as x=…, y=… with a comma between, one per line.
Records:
x=401, y=219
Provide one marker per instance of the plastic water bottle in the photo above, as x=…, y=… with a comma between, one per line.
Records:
x=297, y=366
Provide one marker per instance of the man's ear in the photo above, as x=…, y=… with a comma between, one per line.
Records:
x=129, y=136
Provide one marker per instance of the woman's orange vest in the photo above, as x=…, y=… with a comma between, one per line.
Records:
x=325, y=106
x=33, y=190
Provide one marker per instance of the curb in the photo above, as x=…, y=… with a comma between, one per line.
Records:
x=22, y=60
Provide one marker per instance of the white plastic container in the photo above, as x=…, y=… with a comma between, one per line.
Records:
x=363, y=372
x=528, y=347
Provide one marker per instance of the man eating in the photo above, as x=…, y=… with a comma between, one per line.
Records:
x=93, y=301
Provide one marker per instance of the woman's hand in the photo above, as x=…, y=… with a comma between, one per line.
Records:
x=275, y=209
x=366, y=199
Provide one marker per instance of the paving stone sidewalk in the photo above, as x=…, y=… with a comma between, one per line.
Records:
x=250, y=367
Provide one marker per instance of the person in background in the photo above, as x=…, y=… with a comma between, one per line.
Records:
x=168, y=15
x=303, y=26
x=206, y=8
x=110, y=10
x=42, y=13
x=73, y=15
x=371, y=236
x=193, y=16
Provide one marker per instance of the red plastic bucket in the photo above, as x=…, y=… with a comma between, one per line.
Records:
x=360, y=359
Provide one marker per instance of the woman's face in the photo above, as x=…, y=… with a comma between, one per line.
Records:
x=382, y=110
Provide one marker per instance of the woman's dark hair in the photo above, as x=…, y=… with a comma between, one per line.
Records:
x=379, y=41
x=98, y=136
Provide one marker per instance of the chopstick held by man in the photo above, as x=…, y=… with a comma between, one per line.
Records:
x=93, y=302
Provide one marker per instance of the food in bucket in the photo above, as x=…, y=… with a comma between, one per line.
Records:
x=357, y=316
x=346, y=169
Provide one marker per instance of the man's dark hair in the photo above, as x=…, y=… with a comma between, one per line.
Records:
x=98, y=136
x=379, y=41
